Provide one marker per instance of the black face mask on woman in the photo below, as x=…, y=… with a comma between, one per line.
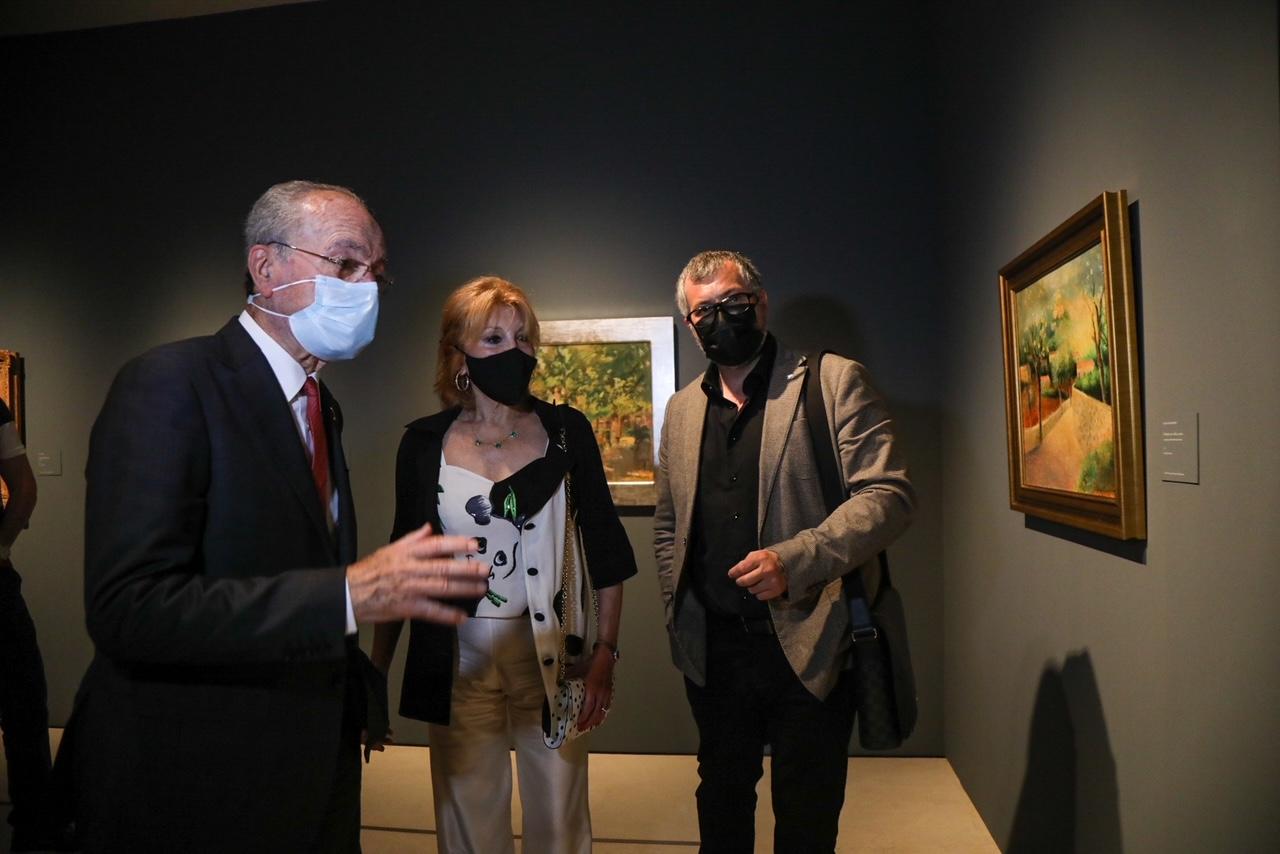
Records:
x=503, y=377
x=728, y=339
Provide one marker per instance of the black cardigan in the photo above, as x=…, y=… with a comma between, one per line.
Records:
x=428, y=671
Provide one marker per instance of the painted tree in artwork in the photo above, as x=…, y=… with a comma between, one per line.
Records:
x=602, y=380
x=1035, y=348
x=1064, y=370
x=610, y=383
x=1093, y=284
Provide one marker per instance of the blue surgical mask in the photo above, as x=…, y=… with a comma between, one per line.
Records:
x=340, y=321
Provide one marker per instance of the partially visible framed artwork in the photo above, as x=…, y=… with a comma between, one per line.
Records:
x=1073, y=403
x=619, y=372
x=11, y=393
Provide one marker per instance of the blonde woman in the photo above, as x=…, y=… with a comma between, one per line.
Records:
x=491, y=466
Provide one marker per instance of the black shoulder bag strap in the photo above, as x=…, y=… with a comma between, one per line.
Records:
x=833, y=493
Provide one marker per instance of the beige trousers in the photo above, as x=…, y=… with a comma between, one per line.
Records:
x=497, y=702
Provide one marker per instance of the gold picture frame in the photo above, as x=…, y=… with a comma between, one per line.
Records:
x=620, y=372
x=11, y=377
x=1073, y=403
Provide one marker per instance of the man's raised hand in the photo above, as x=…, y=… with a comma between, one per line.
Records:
x=408, y=578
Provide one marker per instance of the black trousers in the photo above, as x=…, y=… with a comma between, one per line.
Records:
x=24, y=707
x=753, y=698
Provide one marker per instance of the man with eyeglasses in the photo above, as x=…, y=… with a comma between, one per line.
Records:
x=750, y=561
x=225, y=702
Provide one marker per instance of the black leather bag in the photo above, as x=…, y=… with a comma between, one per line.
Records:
x=884, y=685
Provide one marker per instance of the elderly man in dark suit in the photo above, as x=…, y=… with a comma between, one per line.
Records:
x=750, y=561
x=223, y=707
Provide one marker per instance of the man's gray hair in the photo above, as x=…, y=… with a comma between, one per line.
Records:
x=276, y=213
x=705, y=265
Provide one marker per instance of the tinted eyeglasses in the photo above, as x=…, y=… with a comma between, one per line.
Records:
x=349, y=269
x=734, y=305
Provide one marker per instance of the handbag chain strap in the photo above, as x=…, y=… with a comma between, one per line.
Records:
x=567, y=574
x=569, y=570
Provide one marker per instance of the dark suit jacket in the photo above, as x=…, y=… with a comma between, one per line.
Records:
x=210, y=717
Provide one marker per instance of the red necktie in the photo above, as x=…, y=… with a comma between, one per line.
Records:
x=319, y=441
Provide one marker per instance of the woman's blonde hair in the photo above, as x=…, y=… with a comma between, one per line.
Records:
x=466, y=314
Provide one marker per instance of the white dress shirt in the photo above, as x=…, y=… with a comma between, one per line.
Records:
x=292, y=377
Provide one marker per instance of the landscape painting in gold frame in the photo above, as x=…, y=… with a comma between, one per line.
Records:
x=1073, y=401
x=619, y=372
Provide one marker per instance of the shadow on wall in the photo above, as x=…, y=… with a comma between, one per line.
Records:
x=1133, y=550
x=1069, y=800
x=817, y=323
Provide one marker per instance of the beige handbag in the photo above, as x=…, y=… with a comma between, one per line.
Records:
x=560, y=718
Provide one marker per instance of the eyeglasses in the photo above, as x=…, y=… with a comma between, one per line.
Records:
x=349, y=269
x=734, y=305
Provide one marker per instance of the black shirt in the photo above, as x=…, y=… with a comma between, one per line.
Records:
x=725, y=512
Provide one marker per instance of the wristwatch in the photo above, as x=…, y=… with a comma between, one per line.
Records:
x=613, y=650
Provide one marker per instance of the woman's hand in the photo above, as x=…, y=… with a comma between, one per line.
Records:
x=599, y=683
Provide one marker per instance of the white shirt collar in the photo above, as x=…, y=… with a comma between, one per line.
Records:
x=289, y=373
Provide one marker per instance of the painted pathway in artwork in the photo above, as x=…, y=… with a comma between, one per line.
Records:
x=1084, y=424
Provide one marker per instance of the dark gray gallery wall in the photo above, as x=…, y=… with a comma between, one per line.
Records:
x=1101, y=701
x=585, y=153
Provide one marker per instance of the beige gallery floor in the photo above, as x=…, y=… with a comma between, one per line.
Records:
x=643, y=803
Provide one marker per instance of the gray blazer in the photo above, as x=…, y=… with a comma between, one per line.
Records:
x=816, y=548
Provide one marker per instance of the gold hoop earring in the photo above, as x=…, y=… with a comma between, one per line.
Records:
x=462, y=382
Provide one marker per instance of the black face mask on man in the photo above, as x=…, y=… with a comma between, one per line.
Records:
x=503, y=377
x=729, y=339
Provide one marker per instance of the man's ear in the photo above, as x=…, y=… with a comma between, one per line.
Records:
x=260, y=264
